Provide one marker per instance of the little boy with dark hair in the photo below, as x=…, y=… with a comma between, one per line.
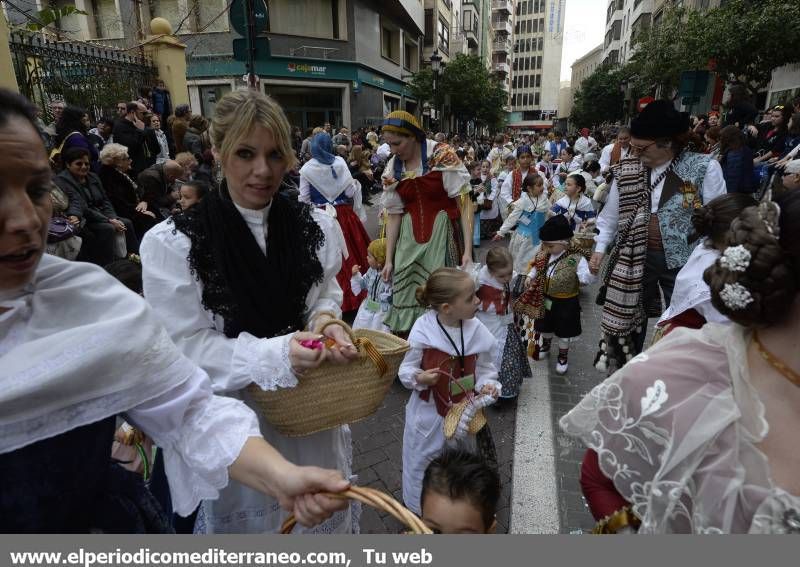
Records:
x=460, y=492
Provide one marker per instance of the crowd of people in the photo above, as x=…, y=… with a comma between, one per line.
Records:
x=246, y=253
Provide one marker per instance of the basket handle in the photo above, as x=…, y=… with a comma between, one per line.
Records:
x=376, y=499
x=364, y=343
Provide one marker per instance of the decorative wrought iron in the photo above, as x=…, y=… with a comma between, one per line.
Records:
x=94, y=77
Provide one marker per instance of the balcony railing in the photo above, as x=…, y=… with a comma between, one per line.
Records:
x=503, y=45
x=502, y=26
x=502, y=67
x=503, y=5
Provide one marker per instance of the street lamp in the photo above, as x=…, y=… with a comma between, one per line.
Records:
x=623, y=88
x=436, y=67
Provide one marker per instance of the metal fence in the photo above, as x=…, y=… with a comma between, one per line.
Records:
x=94, y=77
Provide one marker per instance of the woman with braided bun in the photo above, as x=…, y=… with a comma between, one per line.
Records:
x=430, y=215
x=698, y=433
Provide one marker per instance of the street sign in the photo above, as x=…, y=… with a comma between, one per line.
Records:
x=693, y=83
x=240, y=49
x=238, y=16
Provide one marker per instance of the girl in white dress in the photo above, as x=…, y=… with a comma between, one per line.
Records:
x=379, y=292
x=447, y=338
x=574, y=205
x=495, y=313
x=528, y=214
x=236, y=277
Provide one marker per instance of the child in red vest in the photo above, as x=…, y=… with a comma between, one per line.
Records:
x=451, y=358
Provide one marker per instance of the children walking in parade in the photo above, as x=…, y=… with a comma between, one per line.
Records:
x=495, y=313
x=450, y=368
x=551, y=300
x=528, y=214
x=379, y=292
x=574, y=205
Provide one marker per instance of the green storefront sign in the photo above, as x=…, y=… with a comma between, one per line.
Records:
x=290, y=67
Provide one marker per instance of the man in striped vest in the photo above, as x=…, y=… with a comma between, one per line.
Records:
x=647, y=218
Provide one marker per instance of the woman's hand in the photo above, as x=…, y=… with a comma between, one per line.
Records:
x=261, y=467
x=428, y=377
x=141, y=207
x=298, y=491
x=497, y=236
x=118, y=225
x=345, y=350
x=301, y=358
x=356, y=270
x=73, y=220
x=594, y=263
x=386, y=273
x=466, y=260
x=150, y=214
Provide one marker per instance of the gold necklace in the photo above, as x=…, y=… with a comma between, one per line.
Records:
x=775, y=362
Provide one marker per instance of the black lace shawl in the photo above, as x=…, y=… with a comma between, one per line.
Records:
x=264, y=296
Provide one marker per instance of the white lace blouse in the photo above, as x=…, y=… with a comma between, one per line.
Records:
x=676, y=430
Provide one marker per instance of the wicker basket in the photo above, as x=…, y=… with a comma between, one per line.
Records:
x=376, y=499
x=335, y=394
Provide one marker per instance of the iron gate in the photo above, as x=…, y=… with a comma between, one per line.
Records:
x=94, y=77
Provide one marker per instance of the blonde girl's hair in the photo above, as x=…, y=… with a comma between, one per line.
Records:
x=237, y=113
x=443, y=286
x=498, y=258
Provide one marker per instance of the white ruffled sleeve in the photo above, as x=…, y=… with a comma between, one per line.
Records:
x=176, y=298
x=390, y=199
x=456, y=181
x=201, y=435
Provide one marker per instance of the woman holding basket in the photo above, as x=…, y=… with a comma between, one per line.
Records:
x=237, y=277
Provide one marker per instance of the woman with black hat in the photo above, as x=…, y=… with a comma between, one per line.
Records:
x=648, y=217
x=426, y=195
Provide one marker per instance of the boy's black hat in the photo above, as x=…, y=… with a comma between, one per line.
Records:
x=556, y=228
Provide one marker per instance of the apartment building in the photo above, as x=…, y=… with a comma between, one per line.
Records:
x=438, y=25
x=502, y=44
x=340, y=61
x=538, y=33
x=581, y=68
x=471, y=30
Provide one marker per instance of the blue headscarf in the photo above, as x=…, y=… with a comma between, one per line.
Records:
x=322, y=150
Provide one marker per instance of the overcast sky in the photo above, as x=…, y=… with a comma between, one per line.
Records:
x=584, y=29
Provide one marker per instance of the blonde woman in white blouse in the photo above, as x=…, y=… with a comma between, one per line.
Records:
x=236, y=277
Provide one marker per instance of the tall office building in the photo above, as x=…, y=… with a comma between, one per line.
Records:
x=536, y=69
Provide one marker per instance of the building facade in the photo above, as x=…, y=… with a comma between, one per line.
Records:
x=538, y=33
x=471, y=30
x=340, y=61
x=438, y=25
x=502, y=44
x=581, y=69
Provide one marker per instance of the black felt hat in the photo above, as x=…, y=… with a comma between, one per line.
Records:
x=556, y=228
x=659, y=119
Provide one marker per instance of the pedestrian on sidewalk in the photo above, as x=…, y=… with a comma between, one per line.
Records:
x=494, y=311
x=551, y=301
x=451, y=357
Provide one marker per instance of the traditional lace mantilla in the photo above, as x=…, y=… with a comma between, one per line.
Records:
x=676, y=431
